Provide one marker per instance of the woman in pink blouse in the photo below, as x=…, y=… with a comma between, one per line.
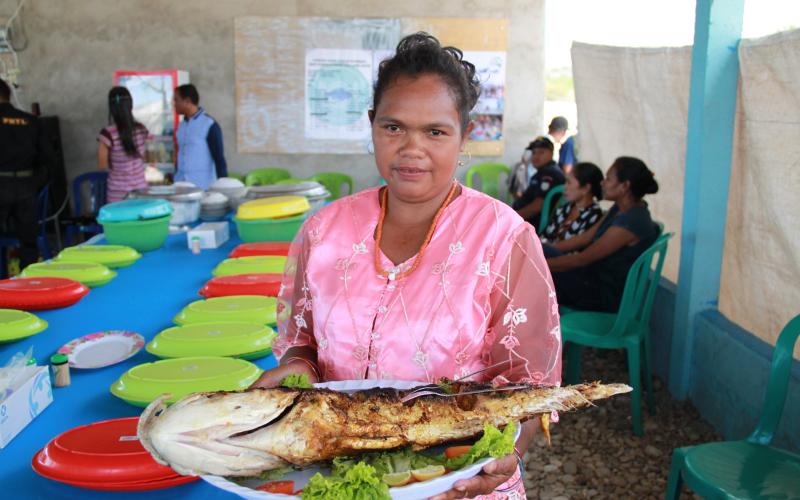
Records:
x=423, y=278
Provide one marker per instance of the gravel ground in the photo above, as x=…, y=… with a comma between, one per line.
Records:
x=594, y=453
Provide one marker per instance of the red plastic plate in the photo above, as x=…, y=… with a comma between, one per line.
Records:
x=175, y=480
x=267, y=284
x=36, y=293
x=261, y=248
x=102, y=452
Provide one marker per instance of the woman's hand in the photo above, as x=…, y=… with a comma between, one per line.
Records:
x=272, y=378
x=493, y=475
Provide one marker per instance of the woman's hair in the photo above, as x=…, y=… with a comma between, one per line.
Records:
x=120, y=107
x=420, y=54
x=634, y=170
x=588, y=173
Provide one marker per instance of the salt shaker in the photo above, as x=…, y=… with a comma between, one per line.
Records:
x=60, y=370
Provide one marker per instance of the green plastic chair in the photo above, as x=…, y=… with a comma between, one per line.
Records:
x=333, y=182
x=548, y=208
x=266, y=176
x=489, y=174
x=290, y=180
x=749, y=468
x=628, y=329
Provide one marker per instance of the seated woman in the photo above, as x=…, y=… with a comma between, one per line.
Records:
x=422, y=278
x=593, y=277
x=581, y=190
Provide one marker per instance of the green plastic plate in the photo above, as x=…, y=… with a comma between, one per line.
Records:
x=16, y=325
x=90, y=274
x=248, y=265
x=108, y=255
x=143, y=383
x=240, y=340
x=238, y=308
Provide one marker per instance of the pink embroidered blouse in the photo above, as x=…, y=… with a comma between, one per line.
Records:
x=481, y=294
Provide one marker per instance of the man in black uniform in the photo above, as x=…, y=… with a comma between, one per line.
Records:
x=547, y=176
x=24, y=160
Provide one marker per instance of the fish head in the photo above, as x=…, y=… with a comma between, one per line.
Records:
x=198, y=428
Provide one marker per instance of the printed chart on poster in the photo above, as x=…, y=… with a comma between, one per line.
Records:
x=490, y=68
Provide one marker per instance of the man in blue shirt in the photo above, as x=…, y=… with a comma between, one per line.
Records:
x=566, y=154
x=201, y=154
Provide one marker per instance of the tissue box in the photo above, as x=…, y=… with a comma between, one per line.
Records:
x=32, y=394
x=211, y=234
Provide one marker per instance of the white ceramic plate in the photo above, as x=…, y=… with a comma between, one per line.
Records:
x=97, y=350
x=421, y=490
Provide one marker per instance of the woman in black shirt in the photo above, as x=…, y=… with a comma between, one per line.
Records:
x=582, y=189
x=593, y=277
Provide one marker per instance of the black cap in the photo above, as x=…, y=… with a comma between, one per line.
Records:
x=541, y=142
x=559, y=123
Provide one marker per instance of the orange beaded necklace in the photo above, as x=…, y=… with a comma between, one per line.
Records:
x=392, y=274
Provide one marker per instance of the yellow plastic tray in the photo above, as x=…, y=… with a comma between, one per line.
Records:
x=273, y=207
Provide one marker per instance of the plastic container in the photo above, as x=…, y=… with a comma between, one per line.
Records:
x=132, y=210
x=16, y=325
x=273, y=207
x=234, y=339
x=214, y=206
x=252, y=231
x=273, y=264
x=108, y=255
x=262, y=248
x=31, y=294
x=308, y=189
x=144, y=383
x=88, y=273
x=144, y=235
x=267, y=284
x=60, y=364
x=185, y=201
x=247, y=308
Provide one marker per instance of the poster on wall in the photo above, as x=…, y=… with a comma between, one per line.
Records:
x=338, y=93
x=490, y=68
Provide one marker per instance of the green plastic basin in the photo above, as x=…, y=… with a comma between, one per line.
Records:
x=255, y=230
x=273, y=264
x=142, y=235
x=16, y=325
x=239, y=340
x=142, y=384
x=108, y=255
x=90, y=274
x=243, y=308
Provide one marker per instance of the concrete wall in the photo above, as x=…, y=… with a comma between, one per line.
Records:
x=75, y=45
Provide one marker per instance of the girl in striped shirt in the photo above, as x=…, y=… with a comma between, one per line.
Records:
x=121, y=147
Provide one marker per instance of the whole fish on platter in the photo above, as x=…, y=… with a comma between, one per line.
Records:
x=247, y=433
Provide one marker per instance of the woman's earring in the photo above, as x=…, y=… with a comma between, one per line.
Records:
x=461, y=162
x=371, y=147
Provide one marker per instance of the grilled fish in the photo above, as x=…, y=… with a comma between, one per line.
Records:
x=247, y=433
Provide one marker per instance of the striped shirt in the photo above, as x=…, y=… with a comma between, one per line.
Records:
x=125, y=173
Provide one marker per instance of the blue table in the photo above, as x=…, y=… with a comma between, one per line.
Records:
x=143, y=298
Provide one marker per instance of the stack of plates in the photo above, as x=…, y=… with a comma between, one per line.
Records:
x=33, y=294
x=248, y=265
x=16, y=325
x=234, y=339
x=142, y=384
x=213, y=206
x=88, y=273
x=104, y=456
x=247, y=308
x=108, y=255
x=268, y=284
x=233, y=189
x=261, y=248
x=315, y=192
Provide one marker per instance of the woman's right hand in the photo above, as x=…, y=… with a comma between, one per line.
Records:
x=272, y=378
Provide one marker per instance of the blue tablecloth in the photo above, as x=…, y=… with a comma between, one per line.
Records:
x=143, y=298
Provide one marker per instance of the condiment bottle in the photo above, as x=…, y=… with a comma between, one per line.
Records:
x=60, y=370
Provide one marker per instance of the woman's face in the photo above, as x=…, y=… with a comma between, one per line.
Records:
x=573, y=191
x=613, y=190
x=417, y=135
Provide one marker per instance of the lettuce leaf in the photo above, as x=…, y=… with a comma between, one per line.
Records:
x=359, y=482
x=296, y=381
x=493, y=444
x=387, y=462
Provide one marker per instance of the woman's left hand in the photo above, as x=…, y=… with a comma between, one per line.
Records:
x=493, y=475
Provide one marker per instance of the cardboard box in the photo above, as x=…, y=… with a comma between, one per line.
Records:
x=32, y=394
x=210, y=234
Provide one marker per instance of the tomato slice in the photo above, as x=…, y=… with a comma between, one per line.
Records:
x=285, y=487
x=456, y=451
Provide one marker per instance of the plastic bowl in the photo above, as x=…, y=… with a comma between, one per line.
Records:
x=142, y=235
x=255, y=230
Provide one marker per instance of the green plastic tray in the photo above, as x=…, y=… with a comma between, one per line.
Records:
x=90, y=274
x=240, y=340
x=247, y=265
x=238, y=308
x=142, y=384
x=108, y=255
x=16, y=325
